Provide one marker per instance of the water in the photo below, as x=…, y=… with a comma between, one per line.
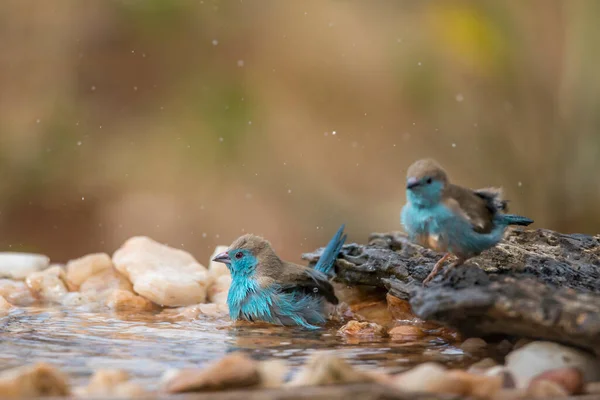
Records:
x=148, y=344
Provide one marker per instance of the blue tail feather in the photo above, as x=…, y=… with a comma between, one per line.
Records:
x=511, y=219
x=327, y=259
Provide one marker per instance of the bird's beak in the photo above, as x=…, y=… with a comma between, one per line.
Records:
x=223, y=258
x=412, y=182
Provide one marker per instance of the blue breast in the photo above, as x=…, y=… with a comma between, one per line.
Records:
x=247, y=300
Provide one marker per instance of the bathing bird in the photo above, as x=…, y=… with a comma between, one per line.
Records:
x=451, y=219
x=266, y=288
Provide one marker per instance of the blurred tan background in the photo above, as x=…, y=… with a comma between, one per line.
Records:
x=195, y=121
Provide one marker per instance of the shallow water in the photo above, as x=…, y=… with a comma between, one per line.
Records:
x=148, y=344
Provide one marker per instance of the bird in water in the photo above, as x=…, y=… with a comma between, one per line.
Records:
x=450, y=219
x=266, y=288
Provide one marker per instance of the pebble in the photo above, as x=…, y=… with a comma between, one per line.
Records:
x=35, y=380
x=111, y=383
x=473, y=345
x=5, y=306
x=18, y=265
x=570, y=379
x=16, y=292
x=406, y=333
x=536, y=358
x=328, y=369
x=123, y=300
x=361, y=328
x=162, y=274
x=235, y=370
x=79, y=270
x=482, y=366
x=48, y=285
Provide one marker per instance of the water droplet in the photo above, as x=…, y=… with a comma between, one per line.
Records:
x=203, y=234
x=453, y=144
x=519, y=184
x=459, y=97
x=419, y=63
x=289, y=190
x=249, y=122
x=333, y=133
x=79, y=143
x=82, y=198
x=93, y=88
x=221, y=139
x=240, y=63
x=215, y=42
x=37, y=121
x=135, y=88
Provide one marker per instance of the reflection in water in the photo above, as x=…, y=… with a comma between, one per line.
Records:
x=146, y=345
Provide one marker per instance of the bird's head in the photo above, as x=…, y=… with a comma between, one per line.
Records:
x=245, y=254
x=425, y=182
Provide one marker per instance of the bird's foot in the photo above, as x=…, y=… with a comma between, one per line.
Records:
x=436, y=268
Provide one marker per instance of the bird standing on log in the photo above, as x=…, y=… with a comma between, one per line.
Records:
x=265, y=288
x=451, y=219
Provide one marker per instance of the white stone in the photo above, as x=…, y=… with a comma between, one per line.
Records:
x=162, y=274
x=537, y=357
x=82, y=268
x=217, y=292
x=48, y=285
x=19, y=265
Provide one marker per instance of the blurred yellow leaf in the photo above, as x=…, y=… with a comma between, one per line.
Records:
x=468, y=35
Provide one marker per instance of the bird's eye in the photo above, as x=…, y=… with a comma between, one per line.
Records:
x=428, y=181
x=239, y=255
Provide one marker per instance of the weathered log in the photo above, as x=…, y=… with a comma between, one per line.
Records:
x=536, y=283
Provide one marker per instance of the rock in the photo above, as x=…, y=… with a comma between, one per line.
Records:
x=478, y=386
x=473, y=345
x=592, y=388
x=544, y=389
x=428, y=377
x=482, y=366
x=100, y=286
x=357, y=328
x=272, y=373
x=406, y=333
x=162, y=274
x=399, y=308
x=39, y=379
x=571, y=379
x=536, y=358
x=19, y=265
x=122, y=300
x=235, y=370
x=5, y=306
x=16, y=292
x=327, y=369
x=204, y=309
x=535, y=283
x=82, y=268
x=434, y=378
x=48, y=285
x=217, y=292
x=111, y=383
x=77, y=299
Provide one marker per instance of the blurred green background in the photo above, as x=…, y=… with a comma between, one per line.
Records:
x=193, y=122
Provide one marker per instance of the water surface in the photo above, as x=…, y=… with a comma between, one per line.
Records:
x=148, y=344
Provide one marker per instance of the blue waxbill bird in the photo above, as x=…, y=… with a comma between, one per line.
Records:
x=451, y=219
x=266, y=288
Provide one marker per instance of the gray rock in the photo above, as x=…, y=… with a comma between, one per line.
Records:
x=537, y=283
